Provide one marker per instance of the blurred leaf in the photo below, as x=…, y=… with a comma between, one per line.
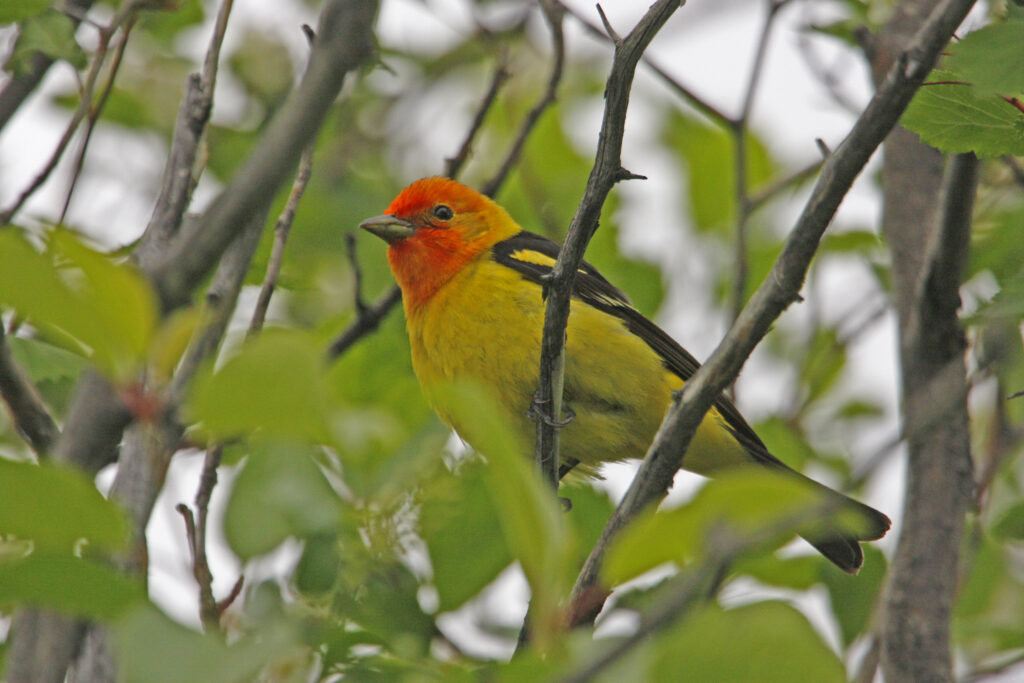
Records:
x=1010, y=524
x=850, y=241
x=463, y=533
x=996, y=244
x=759, y=643
x=50, y=33
x=856, y=409
x=53, y=370
x=276, y=384
x=991, y=59
x=988, y=571
x=167, y=26
x=854, y=597
x=742, y=502
x=123, y=305
x=13, y=12
x=68, y=584
x=317, y=571
x=532, y=523
x=591, y=509
x=385, y=602
x=172, y=338
x=153, y=649
x=956, y=119
x=279, y=493
x=74, y=509
x=786, y=441
x=106, y=306
x=263, y=66
x=798, y=573
x=708, y=154
x=642, y=281
x=823, y=364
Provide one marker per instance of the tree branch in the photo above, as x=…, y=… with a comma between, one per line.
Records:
x=781, y=287
x=607, y=171
x=43, y=643
x=924, y=577
x=344, y=40
x=28, y=410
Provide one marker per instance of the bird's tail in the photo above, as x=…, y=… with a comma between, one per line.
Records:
x=842, y=545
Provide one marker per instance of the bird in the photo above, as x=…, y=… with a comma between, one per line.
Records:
x=472, y=283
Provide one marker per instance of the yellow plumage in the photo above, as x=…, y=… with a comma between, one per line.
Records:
x=471, y=287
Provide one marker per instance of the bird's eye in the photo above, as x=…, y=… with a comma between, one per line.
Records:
x=443, y=212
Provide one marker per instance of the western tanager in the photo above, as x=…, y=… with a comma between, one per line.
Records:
x=471, y=287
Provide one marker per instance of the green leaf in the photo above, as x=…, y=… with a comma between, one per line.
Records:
x=798, y=573
x=854, y=597
x=991, y=59
x=317, y=571
x=385, y=602
x=850, y=241
x=1011, y=523
x=153, y=649
x=463, y=533
x=69, y=584
x=642, y=281
x=708, y=154
x=20, y=10
x=743, y=502
x=955, y=118
x=531, y=520
x=787, y=441
x=276, y=384
x=73, y=291
x=589, y=513
x=759, y=643
x=996, y=244
x=52, y=369
x=279, y=493
x=263, y=66
x=55, y=506
x=50, y=33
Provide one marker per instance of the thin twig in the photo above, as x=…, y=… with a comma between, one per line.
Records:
x=79, y=114
x=95, y=112
x=366, y=323
x=281, y=231
x=770, y=191
x=210, y=610
x=28, y=410
x=453, y=165
x=553, y=13
x=687, y=93
x=189, y=126
x=783, y=284
x=738, y=129
x=357, y=274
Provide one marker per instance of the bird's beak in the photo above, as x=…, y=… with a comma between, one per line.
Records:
x=389, y=228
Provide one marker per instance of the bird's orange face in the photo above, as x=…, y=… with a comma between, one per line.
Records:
x=434, y=228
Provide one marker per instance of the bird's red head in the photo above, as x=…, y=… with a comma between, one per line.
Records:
x=434, y=228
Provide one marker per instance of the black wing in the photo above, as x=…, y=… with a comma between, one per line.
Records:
x=593, y=289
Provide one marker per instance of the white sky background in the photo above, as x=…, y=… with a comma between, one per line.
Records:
x=707, y=45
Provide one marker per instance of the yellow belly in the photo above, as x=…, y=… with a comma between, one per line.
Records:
x=484, y=327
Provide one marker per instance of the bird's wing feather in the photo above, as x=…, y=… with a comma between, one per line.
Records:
x=591, y=288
